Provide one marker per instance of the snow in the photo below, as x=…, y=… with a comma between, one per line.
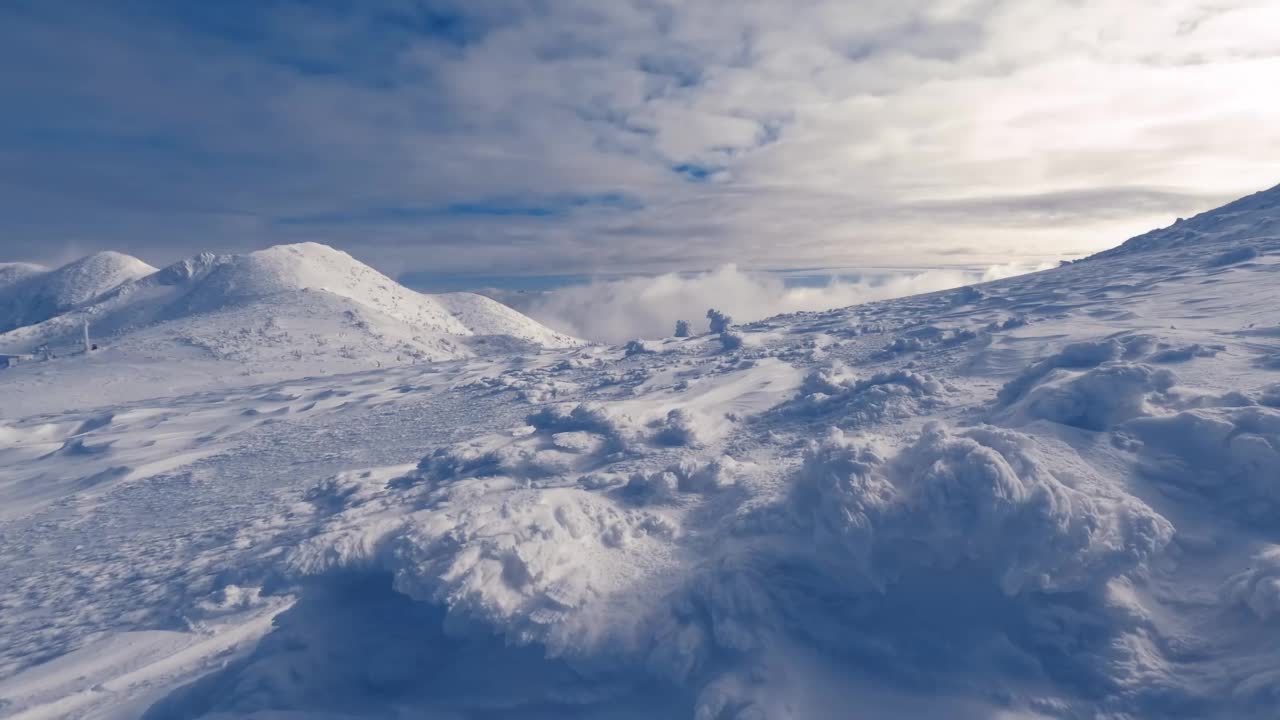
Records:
x=1049, y=496
x=11, y=273
x=287, y=311
x=29, y=296
x=483, y=316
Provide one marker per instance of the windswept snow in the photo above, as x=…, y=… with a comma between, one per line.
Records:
x=1051, y=496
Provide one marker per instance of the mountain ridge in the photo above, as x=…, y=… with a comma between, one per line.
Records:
x=1253, y=216
x=258, y=284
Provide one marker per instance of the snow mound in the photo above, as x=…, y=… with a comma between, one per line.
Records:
x=1097, y=399
x=835, y=391
x=532, y=561
x=920, y=338
x=948, y=500
x=1075, y=356
x=1258, y=588
x=546, y=540
x=1229, y=457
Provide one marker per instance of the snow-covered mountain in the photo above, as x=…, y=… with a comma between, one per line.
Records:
x=11, y=273
x=29, y=295
x=1236, y=223
x=1051, y=496
x=290, y=301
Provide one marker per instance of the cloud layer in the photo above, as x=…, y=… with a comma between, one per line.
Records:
x=617, y=310
x=630, y=135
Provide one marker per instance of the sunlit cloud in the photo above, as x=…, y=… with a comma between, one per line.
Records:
x=619, y=309
x=483, y=136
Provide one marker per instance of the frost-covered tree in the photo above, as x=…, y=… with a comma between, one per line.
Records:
x=730, y=341
x=719, y=321
x=682, y=328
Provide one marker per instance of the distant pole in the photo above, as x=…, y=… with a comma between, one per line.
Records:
x=86, y=336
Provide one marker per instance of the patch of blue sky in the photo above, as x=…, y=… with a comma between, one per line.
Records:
x=694, y=173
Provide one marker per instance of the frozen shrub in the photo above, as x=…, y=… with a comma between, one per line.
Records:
x=720, y=322
x=1183, y=353
x=1008, y=324
x=1233, y=256
x=682, y=328
x=635, y=347
x=894, y=393
x=730, y=341
x=652, y=487
x=966, y=295
x=676, y=430
x=586, y=417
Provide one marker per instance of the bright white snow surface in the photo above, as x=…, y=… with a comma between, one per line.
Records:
x=1053, y=496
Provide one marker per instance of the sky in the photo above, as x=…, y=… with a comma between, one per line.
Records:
x=570, y=137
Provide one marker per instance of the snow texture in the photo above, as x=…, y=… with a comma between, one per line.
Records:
x=1049, y=496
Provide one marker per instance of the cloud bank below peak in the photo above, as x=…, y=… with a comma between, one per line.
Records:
x=617, y=310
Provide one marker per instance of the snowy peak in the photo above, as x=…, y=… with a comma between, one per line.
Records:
x=312, y=266
x=11, y=273
x=315, y=267
x=84, y=279
x=186, y=270
x=305, y=298
x=1255, y=216
x=37, y=296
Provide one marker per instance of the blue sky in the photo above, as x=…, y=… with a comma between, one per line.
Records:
x=566, y=137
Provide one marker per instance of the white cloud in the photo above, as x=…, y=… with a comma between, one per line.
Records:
x=648, y=307
x=831, y=133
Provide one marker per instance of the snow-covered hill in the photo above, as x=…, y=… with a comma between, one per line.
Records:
x=1052, y=496
x=287, y=310
x=32, y=296
x=11, y=273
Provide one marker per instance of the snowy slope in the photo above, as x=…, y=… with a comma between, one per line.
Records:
x=37, y=296
x=1053, y=496
x=1228, y=228
x=485, y=316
